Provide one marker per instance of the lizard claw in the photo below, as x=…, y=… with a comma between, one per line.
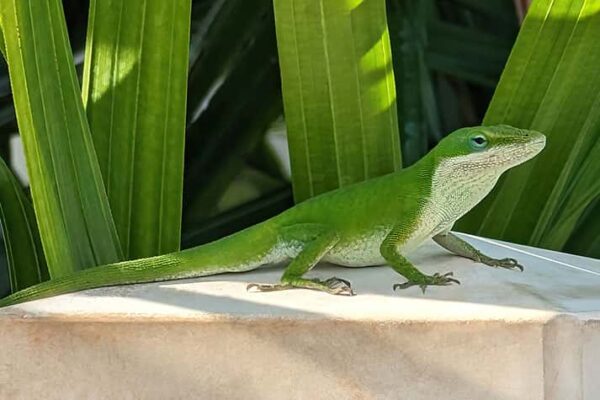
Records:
x=433, y=280
x=339, y=286
x=508, y=263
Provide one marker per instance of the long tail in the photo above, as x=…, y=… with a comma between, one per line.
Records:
x=242, y=251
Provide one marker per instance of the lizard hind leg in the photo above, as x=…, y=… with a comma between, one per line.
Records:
x=460, y=247
x=315, y=241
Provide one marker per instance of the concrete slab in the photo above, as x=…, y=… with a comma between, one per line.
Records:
x=500, y=335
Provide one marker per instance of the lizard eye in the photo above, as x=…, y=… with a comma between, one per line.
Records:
x=478, y=142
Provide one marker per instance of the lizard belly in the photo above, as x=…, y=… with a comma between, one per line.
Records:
x=362, y=251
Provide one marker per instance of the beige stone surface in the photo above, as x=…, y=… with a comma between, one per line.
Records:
x=499, y=335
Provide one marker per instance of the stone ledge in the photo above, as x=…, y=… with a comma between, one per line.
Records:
x=500, y=335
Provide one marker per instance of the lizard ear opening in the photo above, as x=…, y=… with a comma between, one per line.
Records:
x=478, y=142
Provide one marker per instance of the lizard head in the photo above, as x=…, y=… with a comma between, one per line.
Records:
x=490, y=148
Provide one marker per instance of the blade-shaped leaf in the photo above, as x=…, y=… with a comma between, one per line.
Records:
x=72, y=210
x=5, y=286
x=339, y=94
x=134, y=90
x=26, y=262
x=583, y=191
x=550, y=84
x=76, y=16
x=585, y=239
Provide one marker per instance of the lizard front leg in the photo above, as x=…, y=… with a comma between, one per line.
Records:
x=316, y=240
x=390, y=252
x=456, y=245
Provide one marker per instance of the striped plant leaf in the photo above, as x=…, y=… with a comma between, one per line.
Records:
x=134, y=90
x=550, y=84
x=26, y=262
x=72, y=210
x=338, y=90
x=582, y=191
x=585, y=239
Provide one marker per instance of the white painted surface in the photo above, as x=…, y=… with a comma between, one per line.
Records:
x=500, y=335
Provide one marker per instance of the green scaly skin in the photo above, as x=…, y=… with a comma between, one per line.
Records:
x=370, y=223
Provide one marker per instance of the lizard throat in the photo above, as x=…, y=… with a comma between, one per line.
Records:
x=460, y=183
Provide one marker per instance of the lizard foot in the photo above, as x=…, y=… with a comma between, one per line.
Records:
x=332, y=286
x=429, y=280
x=508, y=263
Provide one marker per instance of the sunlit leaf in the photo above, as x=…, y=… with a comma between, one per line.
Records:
x=581, y=192
x=134, y=90
x=551, y=84
x=339, y=94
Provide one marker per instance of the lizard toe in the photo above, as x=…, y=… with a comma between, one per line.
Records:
x=267, y=287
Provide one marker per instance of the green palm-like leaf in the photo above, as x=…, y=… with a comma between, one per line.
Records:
x=338, y=90
x=134, y=90
x=585, y=239
x=72, y=210
x=582, y=191
x=550, y=84
x=26, y=262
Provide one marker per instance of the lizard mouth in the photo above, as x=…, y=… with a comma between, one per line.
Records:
x=528, y=151
x=537, y=145
x=515, y=154
x=541, y=142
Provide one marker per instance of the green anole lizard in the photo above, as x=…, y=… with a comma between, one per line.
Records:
x=369, y=223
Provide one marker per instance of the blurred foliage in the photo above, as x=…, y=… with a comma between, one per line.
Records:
x=448, y=56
